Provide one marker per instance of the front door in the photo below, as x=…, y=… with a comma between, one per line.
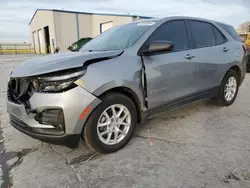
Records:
x=170, y=75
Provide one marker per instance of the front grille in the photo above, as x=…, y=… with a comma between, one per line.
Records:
x=19, y=91
x=9, y=97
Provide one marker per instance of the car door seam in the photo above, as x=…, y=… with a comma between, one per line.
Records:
x=144, y=80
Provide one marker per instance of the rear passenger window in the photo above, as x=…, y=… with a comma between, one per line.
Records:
x=220, y=39
x=175, y=32
x=203, y=34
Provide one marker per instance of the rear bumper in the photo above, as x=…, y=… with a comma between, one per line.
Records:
x=243, y=69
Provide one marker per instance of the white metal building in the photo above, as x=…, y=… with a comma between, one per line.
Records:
x=59, y=28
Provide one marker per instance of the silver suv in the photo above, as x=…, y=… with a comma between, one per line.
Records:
x=124, y=76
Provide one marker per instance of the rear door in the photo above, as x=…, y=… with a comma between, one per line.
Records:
x=169, y=74
x=210, y=50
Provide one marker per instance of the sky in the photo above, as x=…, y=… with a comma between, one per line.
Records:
x=16, y=14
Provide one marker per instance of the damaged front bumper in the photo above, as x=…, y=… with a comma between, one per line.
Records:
x=53, y=117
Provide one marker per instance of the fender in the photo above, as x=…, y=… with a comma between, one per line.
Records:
x=116, y=84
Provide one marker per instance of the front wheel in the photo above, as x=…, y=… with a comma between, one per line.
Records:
x=111, y=125
x=228, y=89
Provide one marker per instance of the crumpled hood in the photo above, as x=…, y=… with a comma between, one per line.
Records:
x=63, y=61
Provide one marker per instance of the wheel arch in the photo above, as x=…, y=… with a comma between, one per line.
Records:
x=236, y=68
x=124, y=90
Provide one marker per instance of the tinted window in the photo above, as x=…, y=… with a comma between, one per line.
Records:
x=219, y=37
x=174, y=31
x=231, y=31
x=202, y=34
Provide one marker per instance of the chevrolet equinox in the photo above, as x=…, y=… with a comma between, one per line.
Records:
x=122, y=77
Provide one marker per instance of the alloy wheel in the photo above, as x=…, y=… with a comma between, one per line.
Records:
x=114, y=124
x=230, y=88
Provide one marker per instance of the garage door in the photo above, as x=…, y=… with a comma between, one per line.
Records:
x=106, y=26
x=35, y=41
x=41, y=41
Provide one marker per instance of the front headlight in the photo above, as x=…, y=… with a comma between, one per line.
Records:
x=55, y=86
x=57, y=82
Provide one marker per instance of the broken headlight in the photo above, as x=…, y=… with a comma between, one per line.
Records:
x=57, y=82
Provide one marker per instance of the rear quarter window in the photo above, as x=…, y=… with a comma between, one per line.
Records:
x=220, y=38
x=231, y=31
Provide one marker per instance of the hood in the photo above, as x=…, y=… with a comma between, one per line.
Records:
x=63, y=61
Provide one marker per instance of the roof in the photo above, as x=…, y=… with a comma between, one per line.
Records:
x=163, y=19
x=89, y=13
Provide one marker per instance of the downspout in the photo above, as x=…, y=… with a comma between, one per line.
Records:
x=54, y=40
x=77, y=26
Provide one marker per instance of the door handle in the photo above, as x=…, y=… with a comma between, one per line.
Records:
x=189, y=57
x=225, y=49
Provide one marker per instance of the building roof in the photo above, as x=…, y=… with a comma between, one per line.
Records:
x=89, y=13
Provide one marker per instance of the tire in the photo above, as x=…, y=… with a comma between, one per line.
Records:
x=91, y=132
x=221, y=98
x=248, y=64
x=247, y=69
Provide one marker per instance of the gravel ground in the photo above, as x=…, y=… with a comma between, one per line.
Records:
x=199, y=146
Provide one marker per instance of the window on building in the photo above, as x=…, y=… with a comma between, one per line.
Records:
x=105, y=26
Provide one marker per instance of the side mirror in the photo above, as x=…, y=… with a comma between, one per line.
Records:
x=158, y=47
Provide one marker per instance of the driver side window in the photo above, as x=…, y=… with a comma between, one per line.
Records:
x=173, y=31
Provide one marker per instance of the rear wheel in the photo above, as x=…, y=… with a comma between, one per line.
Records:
x=111, y=125
x=228, y=89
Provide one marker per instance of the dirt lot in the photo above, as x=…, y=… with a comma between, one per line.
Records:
x=199, y=145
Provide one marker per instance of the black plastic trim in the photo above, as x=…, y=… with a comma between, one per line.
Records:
x=71, y=140
x=144, y=77
x=185, y=100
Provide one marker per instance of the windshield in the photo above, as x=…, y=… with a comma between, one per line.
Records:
x=117, y=38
